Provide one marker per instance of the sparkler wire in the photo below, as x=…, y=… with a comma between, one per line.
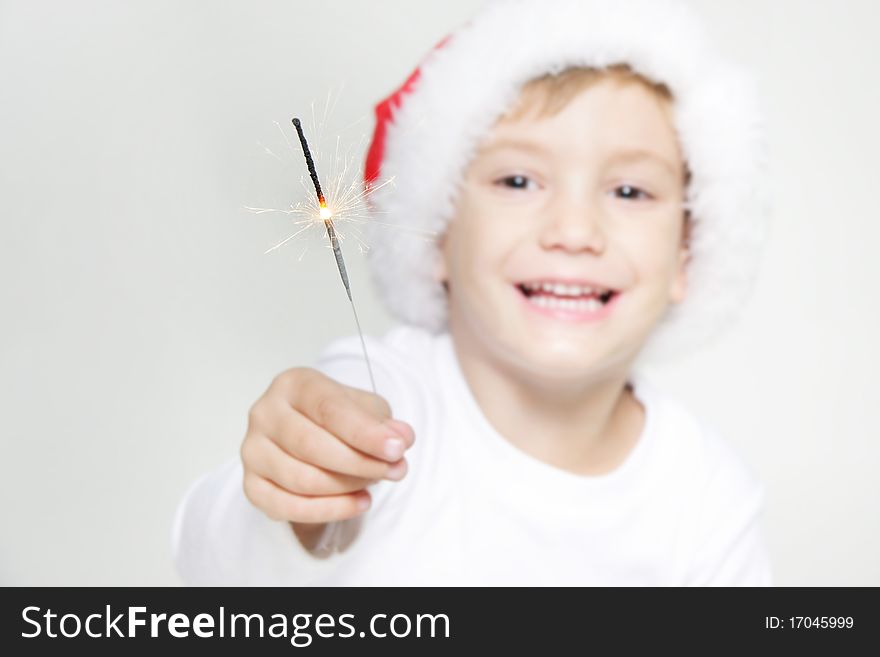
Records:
x=334, y=241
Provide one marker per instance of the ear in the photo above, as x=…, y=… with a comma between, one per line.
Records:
x=441, y=273
x=678, y=287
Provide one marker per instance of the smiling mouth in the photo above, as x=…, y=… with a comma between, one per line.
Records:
x=566, y=296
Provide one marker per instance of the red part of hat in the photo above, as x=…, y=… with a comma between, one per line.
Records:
x=383, y=115
x=384, y=111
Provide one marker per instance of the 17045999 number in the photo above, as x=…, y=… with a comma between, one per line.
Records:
x=808, y=622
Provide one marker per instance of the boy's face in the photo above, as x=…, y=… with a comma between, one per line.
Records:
x=591, y=197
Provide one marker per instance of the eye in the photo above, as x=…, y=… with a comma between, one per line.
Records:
x=631, y=193
x=515, y=182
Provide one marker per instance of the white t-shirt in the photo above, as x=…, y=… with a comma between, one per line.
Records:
x=473, y=509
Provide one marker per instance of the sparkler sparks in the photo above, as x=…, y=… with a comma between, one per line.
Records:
x=340, y=205
x=327, y=216
x=345, y=203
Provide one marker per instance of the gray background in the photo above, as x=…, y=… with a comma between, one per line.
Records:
x=140, y=317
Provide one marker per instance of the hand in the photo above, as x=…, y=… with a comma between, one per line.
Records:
x=313, y=445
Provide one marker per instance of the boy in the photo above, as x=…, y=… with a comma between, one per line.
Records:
x=591, y=169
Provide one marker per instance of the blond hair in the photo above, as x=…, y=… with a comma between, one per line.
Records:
x=550, y=93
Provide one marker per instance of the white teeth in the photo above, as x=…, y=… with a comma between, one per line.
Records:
x=562, y=290
x=574, y=305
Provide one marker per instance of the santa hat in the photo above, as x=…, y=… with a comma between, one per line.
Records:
x=428, y=130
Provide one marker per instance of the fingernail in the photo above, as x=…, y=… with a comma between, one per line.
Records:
x=396, y=471
x=400, y=429
x=363, y=503
x=394, y=448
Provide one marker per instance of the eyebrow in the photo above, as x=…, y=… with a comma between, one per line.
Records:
x=627, y=155
x=639, y=154
x=518, y=144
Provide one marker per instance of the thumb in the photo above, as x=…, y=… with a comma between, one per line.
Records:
x=378, y=406
x=373, y=404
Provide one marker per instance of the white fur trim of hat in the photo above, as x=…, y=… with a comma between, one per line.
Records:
x=429, y=129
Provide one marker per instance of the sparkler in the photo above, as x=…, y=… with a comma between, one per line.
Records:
x=327, y=216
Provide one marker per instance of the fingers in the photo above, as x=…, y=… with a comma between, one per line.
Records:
x=314, y=445
x=339, y=413
x=304, y=440
x=279, y=504
x=357, y=417
x=271, y=462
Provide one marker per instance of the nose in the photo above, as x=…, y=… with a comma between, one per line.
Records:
x=574, y=224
